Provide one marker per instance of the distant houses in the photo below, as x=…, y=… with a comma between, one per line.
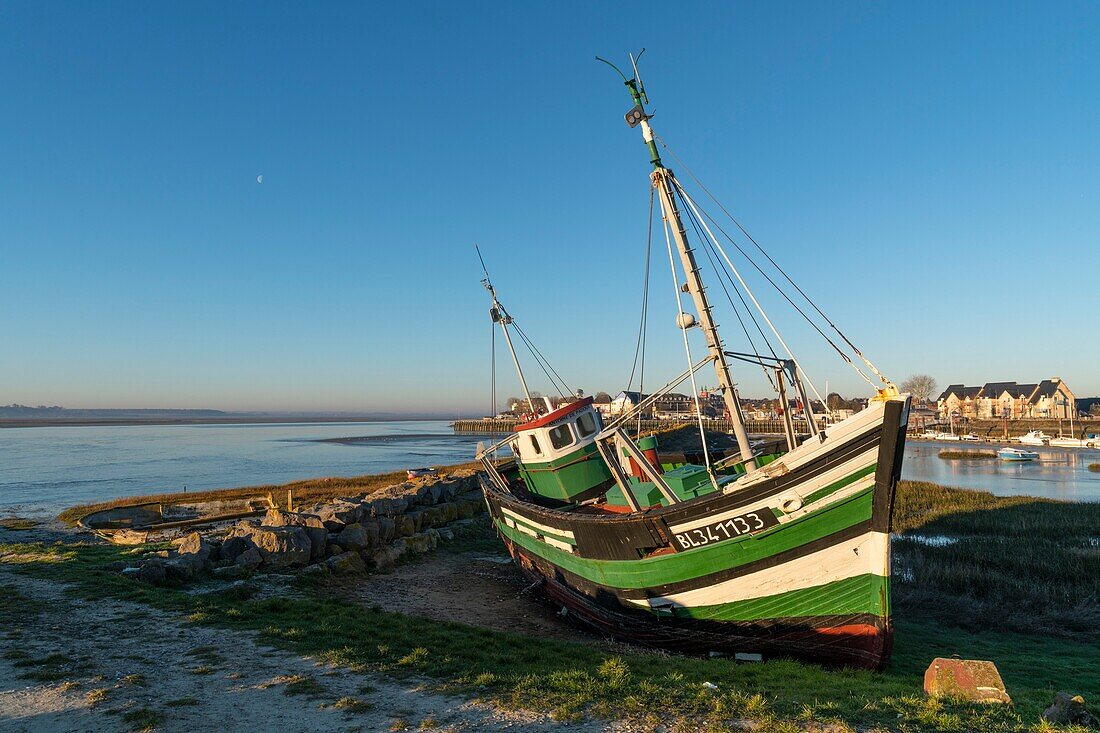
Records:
x=1010, y=400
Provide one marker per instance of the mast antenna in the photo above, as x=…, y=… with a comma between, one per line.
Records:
x=637, y=76
x=499, y=315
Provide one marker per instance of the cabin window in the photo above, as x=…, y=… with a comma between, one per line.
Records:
x=586, y=424
x=535, y=445
x=561, y=436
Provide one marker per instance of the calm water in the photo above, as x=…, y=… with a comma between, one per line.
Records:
x=1058, y=474
x=43, y=470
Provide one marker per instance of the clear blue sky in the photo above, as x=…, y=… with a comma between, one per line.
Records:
x=929, y=171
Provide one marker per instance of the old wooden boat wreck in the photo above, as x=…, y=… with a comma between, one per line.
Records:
x=778, y=548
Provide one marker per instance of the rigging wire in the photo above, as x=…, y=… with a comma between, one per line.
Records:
x=543, y=363
x=687, y=346
x=764, y=252
x=493, y=361
x=691, y=204
x=720, y=272
x=794, y=305
x=639, y=348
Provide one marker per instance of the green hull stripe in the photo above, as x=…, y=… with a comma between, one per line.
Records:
x=836, y=485
x=680, y=566
x=861, y=594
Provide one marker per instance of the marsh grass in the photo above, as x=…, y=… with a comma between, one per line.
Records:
x=17, y=523
x=948, y=455
x=571, y=679
x=1016, y=563
x=1094, y=467
x=307, y=491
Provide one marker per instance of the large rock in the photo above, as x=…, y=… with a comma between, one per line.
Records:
x=230, y=572
x=347, y=563
x=385, y=556
x=467, y=508
x=185, y=567
x=435, y=516
x=250, y=559
x=1070, y=709
x=232, y=548
x=339, y=514
x=198, y=547
x=152, y=573
x=965, y=679
x=385, y=529
x=403, y=526
x=278, y=546
x=389, y=507
x=313, y=525
x=355, y=537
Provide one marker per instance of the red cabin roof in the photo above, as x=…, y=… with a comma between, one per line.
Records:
x=556, y=414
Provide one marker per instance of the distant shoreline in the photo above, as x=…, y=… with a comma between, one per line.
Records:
x=18, y=422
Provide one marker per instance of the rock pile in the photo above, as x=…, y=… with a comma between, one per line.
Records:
x=345, y=536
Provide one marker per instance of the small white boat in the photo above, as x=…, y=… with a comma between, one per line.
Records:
x=1074, y=442
x=970, y=438
x=1034, y=437
x=1016, y=454
x=946, y=436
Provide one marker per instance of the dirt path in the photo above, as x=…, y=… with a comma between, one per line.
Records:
x=473, y=588
x=115, y=666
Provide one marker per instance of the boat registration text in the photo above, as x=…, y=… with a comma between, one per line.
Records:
x=726, y=529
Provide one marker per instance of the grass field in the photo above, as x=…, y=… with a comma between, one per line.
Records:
x=1016, y=582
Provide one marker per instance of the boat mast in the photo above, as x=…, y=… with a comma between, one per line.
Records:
x=662, y=179
x=499, y=315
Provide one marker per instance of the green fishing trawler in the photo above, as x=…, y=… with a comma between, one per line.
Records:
x=776, y=547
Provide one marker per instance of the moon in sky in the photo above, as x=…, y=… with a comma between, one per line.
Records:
x=260, y=178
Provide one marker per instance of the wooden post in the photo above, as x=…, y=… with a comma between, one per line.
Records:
x=290, y=500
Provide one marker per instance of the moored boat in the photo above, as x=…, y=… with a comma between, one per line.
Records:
x=1033, y=437
x=776, y=548
x=1017, y=454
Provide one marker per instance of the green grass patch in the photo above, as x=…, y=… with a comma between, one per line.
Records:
x=951, y=455
x=98, y=695
x=303, y=685
x=570, y=680
x=143, y=719
x=352, y=705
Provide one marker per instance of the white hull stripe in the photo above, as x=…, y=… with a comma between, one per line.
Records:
x=528, y=531
x=868, y=553
x=801, y=491
x=862, y=422
x=541, y=527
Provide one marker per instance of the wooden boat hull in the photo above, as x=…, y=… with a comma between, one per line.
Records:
x=813, y=585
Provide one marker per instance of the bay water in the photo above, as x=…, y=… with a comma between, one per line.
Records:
x=46, y=469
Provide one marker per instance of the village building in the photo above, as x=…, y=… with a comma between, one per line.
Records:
x=1008, y=400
